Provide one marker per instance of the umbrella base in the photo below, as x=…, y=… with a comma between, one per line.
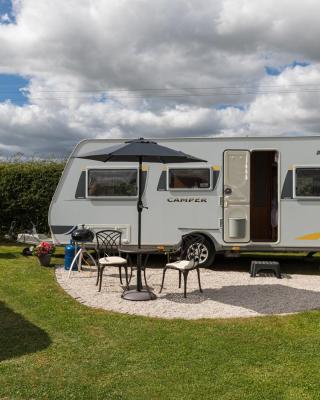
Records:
x=138, y=295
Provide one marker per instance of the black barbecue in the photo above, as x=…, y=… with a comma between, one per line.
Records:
x=82, y=235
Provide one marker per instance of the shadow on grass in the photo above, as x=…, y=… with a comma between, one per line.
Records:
x=8, y=256
x=264, y=299
x=19, y=336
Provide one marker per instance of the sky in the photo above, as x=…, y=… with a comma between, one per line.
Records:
x=77, y=69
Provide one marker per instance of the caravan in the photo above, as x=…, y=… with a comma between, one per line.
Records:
x=252, y=194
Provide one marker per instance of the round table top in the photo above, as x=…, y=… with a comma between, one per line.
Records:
x=143, y=250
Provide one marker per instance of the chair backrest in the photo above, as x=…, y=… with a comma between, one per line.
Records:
x=108, y=242
x=191, y=248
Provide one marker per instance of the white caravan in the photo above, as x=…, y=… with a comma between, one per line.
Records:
x=252, y=194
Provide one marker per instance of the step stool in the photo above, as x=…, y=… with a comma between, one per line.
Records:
x=257, y=266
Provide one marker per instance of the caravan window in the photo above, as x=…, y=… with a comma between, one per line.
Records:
x=307, y=182
x=189, y=178
x=112, y=182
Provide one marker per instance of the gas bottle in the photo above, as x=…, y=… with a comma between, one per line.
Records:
x=69, y=252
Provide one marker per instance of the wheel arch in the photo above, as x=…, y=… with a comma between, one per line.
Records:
x=207, y=236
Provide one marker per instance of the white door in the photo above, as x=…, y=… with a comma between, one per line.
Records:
x=236, y=196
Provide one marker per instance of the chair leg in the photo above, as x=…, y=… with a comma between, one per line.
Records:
x=163, y=275
x=101, y=275
x=185, y=276
x=145, y=278
x=120, y=276
x=198, y=272
x=98, y=275
x=179, y=279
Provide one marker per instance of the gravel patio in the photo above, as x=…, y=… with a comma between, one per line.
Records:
x=228, y=291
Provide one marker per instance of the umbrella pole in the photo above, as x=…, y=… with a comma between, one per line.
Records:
x=140, y=208
x=139, y=294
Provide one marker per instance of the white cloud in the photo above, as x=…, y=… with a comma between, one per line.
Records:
x=288, y=112
x=71, y=49
x=4, y=18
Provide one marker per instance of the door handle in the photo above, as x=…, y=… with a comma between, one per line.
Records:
x=227, y=191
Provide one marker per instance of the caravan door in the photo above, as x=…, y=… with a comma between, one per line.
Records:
x=236, y=196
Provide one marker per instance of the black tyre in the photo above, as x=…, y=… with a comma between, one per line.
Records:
x=207, y=253
x=27, y=251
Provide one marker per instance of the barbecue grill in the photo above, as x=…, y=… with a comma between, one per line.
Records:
x=82, y=235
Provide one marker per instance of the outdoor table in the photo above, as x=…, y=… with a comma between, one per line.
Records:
x=140, y=252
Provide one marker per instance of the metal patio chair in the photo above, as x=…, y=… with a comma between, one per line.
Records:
x=189, y=251
x=108, y=242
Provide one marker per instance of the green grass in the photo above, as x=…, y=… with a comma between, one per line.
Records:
x=52, y=347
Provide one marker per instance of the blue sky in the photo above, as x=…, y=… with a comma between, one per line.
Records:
x=10, y=88
x=225, y=106
x=6, y=9
x=275, y=71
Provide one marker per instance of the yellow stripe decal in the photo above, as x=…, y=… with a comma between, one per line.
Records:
x=310, y=236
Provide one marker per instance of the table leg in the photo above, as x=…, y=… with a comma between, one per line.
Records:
x=139, y=293
x=144, y=269
x=126, y=273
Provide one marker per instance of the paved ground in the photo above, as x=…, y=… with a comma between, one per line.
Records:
x=228, y=291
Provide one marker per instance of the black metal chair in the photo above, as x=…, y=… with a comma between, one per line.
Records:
x=108, y=242
x=189, y=251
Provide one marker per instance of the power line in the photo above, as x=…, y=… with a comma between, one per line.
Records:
x=243, y=86
x=151, y=96
x=162, y=93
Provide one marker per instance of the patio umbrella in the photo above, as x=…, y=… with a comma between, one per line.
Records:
x=140, y=150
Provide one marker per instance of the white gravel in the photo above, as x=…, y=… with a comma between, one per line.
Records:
x=226, y=294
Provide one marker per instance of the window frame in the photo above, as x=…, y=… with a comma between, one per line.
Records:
x=112, y=197
x=294, y=181
x=189, y=189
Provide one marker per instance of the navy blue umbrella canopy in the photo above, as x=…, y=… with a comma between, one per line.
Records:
x=140, y=150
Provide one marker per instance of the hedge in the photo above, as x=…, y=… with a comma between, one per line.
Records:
x=26, y=189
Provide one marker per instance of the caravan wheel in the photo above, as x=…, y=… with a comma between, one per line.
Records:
x=207, y=253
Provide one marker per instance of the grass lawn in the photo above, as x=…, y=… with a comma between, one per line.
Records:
x=52, y=347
